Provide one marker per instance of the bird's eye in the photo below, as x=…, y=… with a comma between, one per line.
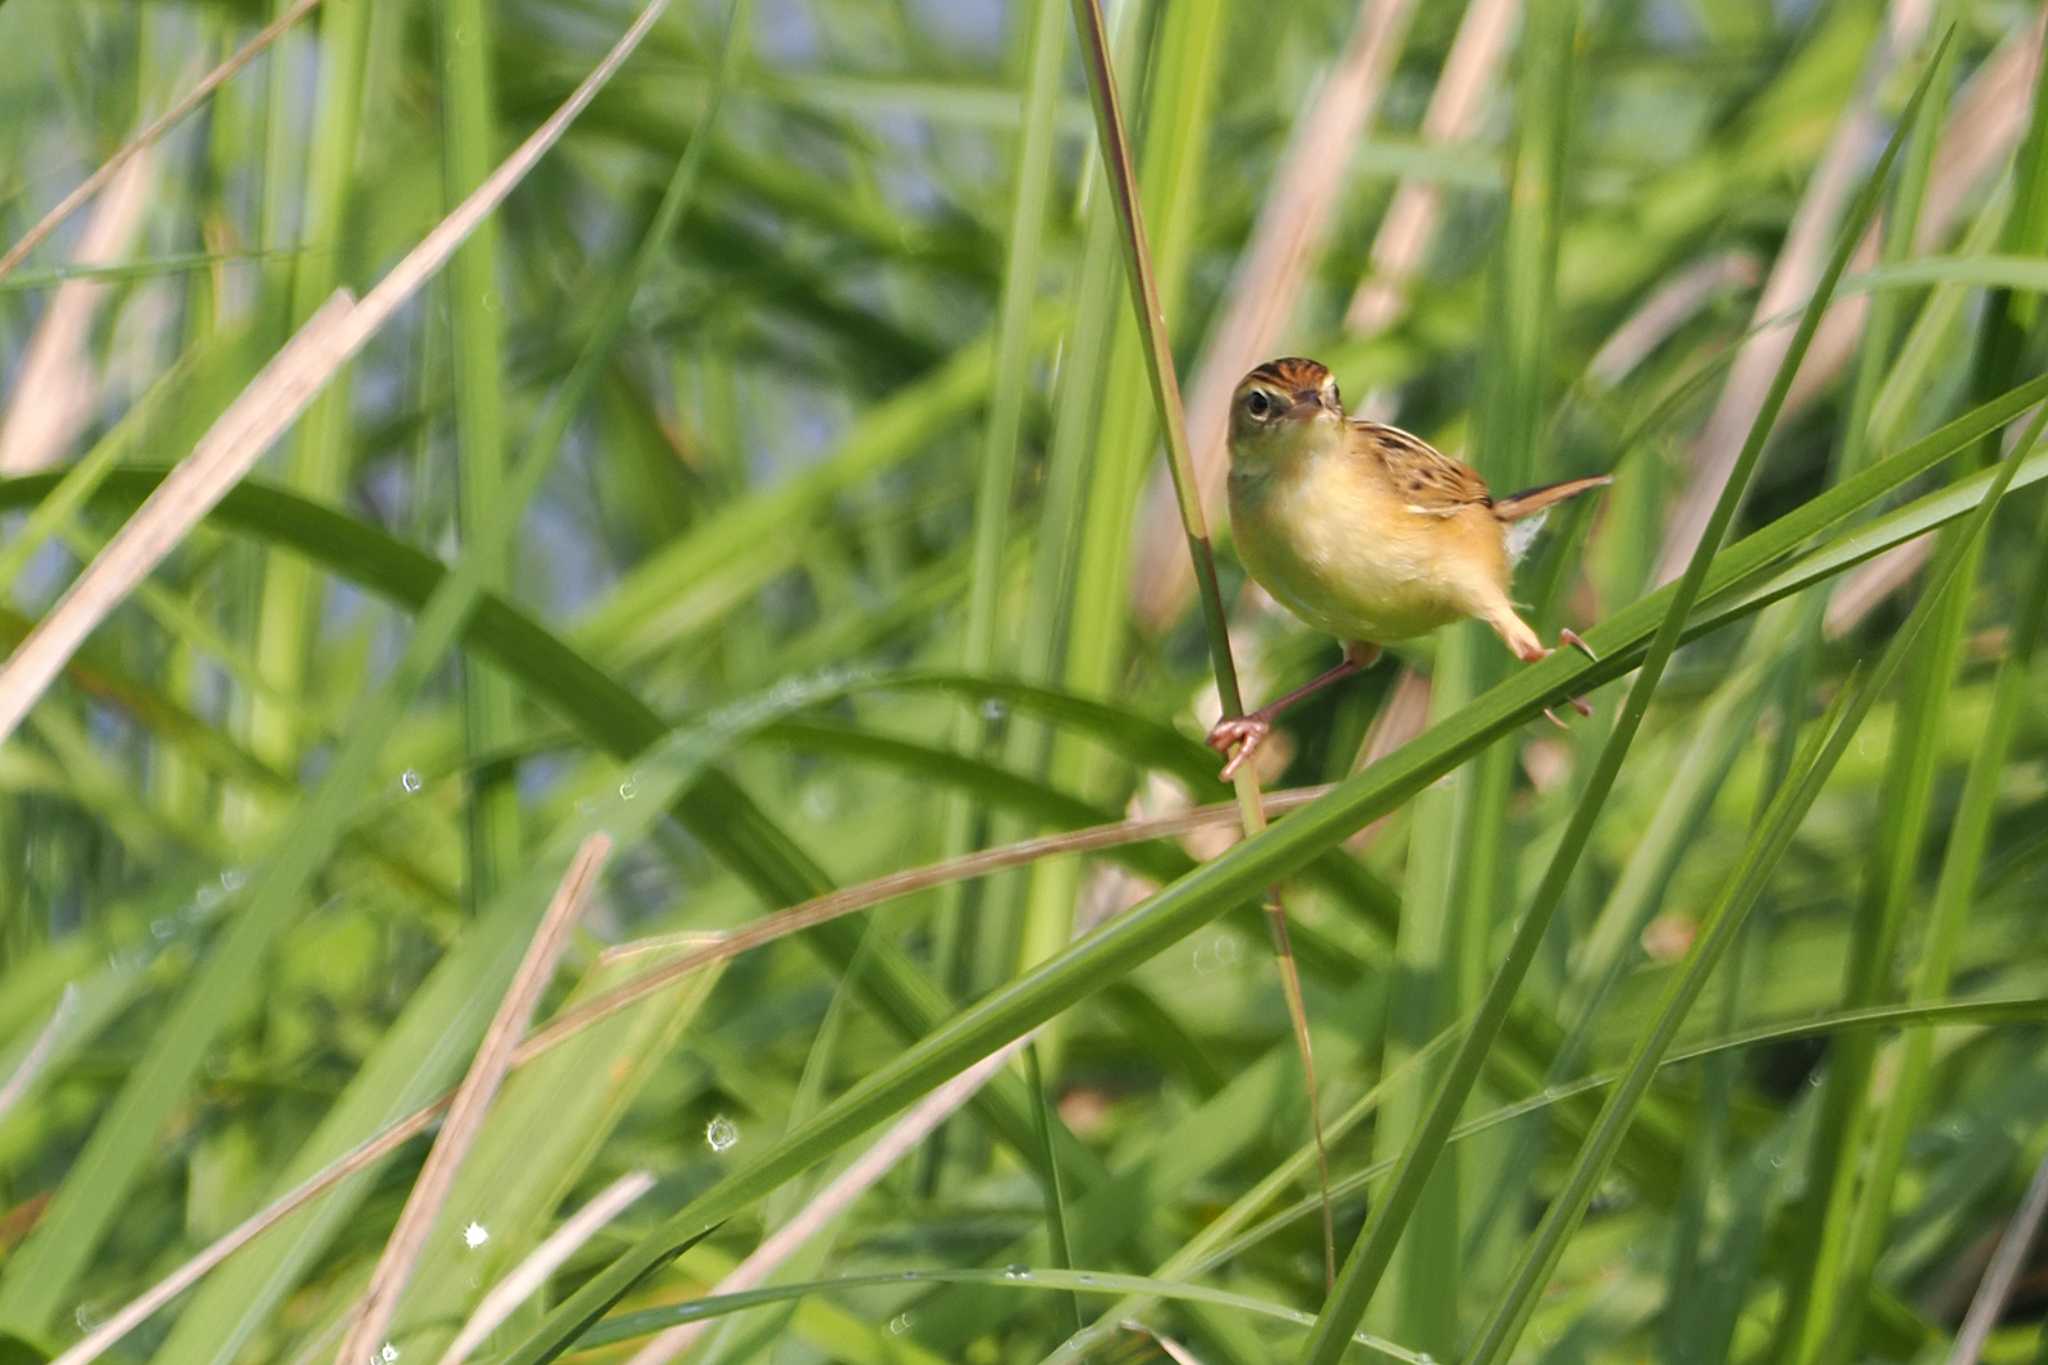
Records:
x=1258, y=405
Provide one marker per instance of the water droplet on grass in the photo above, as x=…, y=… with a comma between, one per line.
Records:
x=410, y=780
x=721, y=1133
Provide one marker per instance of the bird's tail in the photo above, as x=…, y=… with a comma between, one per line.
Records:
x=1530, y=501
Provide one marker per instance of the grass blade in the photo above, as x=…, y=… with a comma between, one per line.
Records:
x=1375, y=1248
x=1831, y=738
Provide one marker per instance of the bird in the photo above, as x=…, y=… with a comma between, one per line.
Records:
x=1367, y=532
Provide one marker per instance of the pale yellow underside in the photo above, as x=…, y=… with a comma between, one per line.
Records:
x=1330, y=538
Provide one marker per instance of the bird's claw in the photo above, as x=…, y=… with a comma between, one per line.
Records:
x=1571, y=637
x=1247, y=732
x=1578, y=704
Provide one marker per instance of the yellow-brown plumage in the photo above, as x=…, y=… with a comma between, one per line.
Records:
x=1363, y=530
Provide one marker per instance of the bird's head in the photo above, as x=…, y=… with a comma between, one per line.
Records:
x=1282, y=409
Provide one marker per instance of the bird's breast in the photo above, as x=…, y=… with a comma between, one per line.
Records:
x=1336, y=547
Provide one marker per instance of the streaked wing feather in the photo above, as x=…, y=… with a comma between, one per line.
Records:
x=1427, y=480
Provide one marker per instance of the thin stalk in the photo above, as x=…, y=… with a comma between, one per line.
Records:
x=477, y=351
x=1166, y=398
x=1055, y=1197
x=1375, y=1248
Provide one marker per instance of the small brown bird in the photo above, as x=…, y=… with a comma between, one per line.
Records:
x=1367, y=532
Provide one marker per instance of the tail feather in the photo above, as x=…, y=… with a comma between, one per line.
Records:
x=1531, y=501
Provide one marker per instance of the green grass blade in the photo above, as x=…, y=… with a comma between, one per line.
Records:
x=1723, y=922
x=476, y=312
x=319, y=453
x=631, y=1326
x=1375, y=1248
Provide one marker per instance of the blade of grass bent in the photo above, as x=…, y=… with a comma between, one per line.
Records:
x=1497, y=1339
x=1375, y=1247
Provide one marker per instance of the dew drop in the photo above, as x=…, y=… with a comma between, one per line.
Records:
x=629, y=789
x=1013, y=1271
x=994, y=710
x=1777, y=1163
x=233, y=879
x=410, y=780
x=899, y=1324
x=720, y=1133
x=475, y=1235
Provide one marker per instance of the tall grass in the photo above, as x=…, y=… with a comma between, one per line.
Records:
x=765, y=490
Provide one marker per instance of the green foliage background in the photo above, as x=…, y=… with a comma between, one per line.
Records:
x=791, y=425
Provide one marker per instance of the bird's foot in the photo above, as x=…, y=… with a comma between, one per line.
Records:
x=1568, y=636
x=1578, y=704
x=1246, y=732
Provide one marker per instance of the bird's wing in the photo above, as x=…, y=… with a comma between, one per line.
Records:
x=1421, y=476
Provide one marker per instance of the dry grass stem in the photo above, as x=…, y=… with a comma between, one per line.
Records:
x=472, y=1104
x=1793, y=276
x=1398, y=249
x=1670, y=306
x=1996, y=1287
x=54, y=392
x=134, y=147
x=1867, y=586
x=273, y=399
x=38, y=1055
x=278, y=394
x=1976, y=142
x=527, y=1278
x=850, y=1184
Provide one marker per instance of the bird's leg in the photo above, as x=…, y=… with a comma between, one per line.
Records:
x=1530, y=649
x=1249, y=731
